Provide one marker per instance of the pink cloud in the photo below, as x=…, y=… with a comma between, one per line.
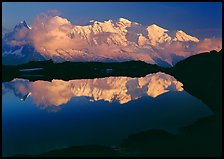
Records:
x=16, y=43
x=21, y=34
x=208, y=45
x=54, y=35
x=189, y=49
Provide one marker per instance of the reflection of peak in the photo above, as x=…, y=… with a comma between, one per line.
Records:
x=122, y=89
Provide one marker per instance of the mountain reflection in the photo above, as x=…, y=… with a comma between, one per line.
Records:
x=121, y=89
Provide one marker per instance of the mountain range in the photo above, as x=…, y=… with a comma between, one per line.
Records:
x=58, y=39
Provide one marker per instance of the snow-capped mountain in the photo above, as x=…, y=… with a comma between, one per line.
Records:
x=21, y=25
x=16, y=47
x=114, y=40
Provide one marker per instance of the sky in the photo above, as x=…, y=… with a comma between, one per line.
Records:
x=200, y=19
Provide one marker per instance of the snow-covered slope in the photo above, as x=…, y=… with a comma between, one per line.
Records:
x=58, y=39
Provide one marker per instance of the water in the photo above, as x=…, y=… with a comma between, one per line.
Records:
x=30, y=69
x=41, y=116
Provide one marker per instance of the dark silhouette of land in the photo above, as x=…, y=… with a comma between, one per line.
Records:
x=77, y=70
x=201, y=76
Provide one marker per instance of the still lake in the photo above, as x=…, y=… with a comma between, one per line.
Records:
x=40, y=116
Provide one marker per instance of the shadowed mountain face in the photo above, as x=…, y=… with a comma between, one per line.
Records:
x=16, y=47
x=20, y=55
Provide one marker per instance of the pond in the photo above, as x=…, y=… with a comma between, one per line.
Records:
x=30, y=69
x=41, y=116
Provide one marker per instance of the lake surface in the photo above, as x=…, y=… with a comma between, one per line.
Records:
x=30, y=69
x=40, y=116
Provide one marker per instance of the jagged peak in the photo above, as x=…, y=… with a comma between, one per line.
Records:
x=182, y=36
x=23, y=21
x=181, y=31
x=124, y=20
x=156, y=27
x=23, y=24
x=91, y=22
x=108, y=21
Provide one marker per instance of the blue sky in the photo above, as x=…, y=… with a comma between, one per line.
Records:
x=201, y=19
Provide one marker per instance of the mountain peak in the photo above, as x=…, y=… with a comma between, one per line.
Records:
x=124, y=20
x=181, y=31
x=182, y=36
x=92, y=22
x=22, y=24
x=156, y=27
x=23, y=21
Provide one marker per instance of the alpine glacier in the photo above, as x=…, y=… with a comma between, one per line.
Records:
x=56, y=38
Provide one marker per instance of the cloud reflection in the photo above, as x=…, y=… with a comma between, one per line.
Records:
x=121, y=89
